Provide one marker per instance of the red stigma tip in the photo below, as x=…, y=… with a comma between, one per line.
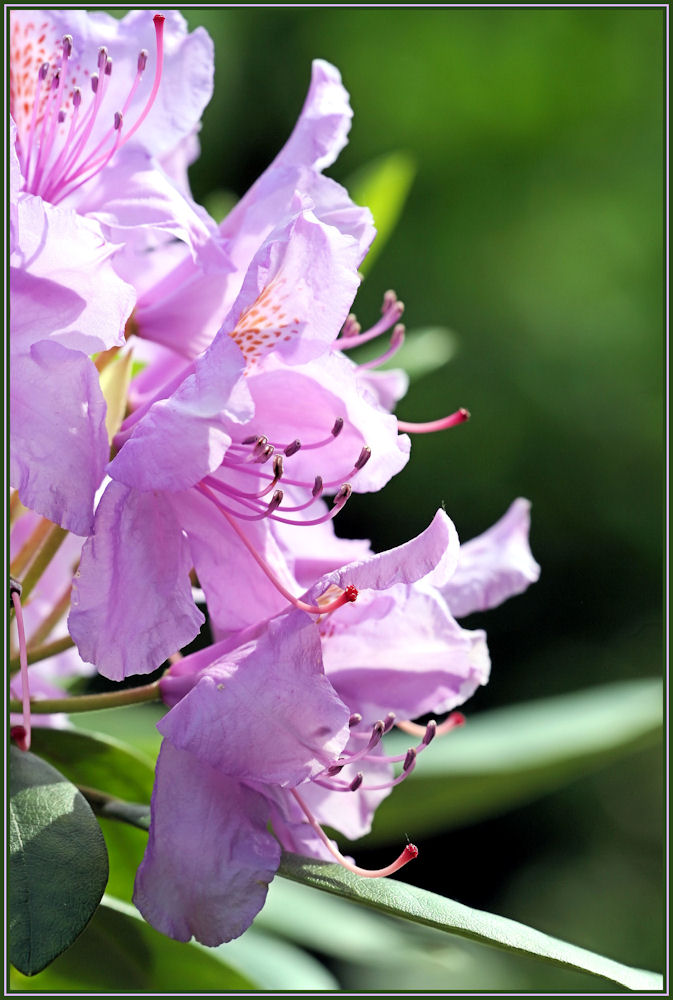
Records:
x=458, y=719
x=411, y=851
x=351, y=593
x=19, y=735
x=465, y=414
x=158, y=19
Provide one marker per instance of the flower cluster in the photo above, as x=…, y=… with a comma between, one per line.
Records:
x=242, y=434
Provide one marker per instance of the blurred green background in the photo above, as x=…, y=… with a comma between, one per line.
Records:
x=533, y=231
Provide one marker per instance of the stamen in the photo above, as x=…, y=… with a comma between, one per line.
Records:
x=22, y=738
x=349, y=595
x=459, y=417
x=363, y=458
x=295, y=445
x=354, y=720
x=73, y=166
x=396, y=341
x=453, y=721
x=391, y=310
x=388, y=722
x=408, y=854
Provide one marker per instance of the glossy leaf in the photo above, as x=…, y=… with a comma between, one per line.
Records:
x=134, y=725
x=58, y=863
x=420, y=906
x=119, y=951
x=382, y=186
x=97, y=761
x=508, y=756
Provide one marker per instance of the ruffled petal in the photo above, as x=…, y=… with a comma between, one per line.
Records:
x=305, y=402
x=402, y=652
x=136, y=200
x=59, y=444
x=60, y=246
x=220, y=557
x=131, y=600
x=494, y=566
x=316, y=140
x=265, y=711
x=432, y=555
x=297, y=291
x=182, y=438
x=209, y=857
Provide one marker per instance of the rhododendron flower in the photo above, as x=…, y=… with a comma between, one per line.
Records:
x=98, y=104
x=193, y=460
x=180, y=306
x=262, y=730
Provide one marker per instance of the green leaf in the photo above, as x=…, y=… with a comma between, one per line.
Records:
x=420, y=906
x=98, y=761
x=276, y=964
x=119, y=951
x=383, y=186
x=508, y=756
x=58, y=862
x=133, y=724
x=424, y=351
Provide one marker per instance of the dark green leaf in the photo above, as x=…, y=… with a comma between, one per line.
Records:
x=58, y=863
x=119, y=951
x=509, y=756
x=98, y=761
x=134, y=725
x=402, y=900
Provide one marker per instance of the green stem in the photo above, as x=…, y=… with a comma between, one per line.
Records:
x=92, y=702
x=43, y=652
x=52, y=619
x=30, y=547
x=54, y=539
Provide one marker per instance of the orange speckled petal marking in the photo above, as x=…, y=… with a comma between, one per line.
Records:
x=267, y=322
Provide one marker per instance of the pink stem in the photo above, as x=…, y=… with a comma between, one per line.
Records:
x=23, y=740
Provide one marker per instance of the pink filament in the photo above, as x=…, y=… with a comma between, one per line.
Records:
x=23, y=739
x=408, y=854
x=459, y=417
x=453, y=721
x=348, y=596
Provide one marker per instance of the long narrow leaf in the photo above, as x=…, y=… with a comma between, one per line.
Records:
x=420, y=906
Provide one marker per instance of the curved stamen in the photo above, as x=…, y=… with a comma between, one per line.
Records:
x=408, y=854
x=74, y=166
x=378, y=730
x=337, y=785
x=453, y=721
x=294, y=446
x=349, y=595
x=459, y=417
x=42, y=74
x=159, y=33
x=396, y=341
x=392, y=310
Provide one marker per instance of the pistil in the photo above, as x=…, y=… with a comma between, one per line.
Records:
x=408, y=854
